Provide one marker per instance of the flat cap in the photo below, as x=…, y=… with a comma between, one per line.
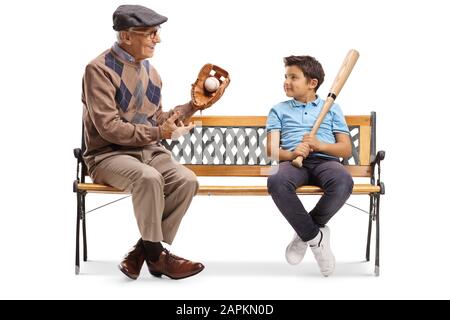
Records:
x=127, y=16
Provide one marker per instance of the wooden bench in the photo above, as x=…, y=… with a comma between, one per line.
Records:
x=235, y=146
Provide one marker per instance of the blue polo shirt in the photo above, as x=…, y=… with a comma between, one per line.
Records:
x=293, y=119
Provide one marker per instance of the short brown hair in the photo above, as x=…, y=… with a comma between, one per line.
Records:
x=311, y=68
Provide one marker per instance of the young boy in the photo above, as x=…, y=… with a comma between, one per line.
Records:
x=288, y=127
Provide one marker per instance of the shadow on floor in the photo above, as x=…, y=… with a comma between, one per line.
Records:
x=246, y=269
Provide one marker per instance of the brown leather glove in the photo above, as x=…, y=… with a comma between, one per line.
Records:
x=201, y=98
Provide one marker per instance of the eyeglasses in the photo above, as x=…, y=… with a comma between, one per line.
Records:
x=149, y=35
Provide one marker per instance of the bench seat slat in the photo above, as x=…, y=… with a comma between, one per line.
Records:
x=233, y=190
x=257, y=171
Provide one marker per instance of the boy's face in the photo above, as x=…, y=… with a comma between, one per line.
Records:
x=296, y=85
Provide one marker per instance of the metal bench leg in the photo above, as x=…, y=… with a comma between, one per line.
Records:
x=377, y=249
x=77, y=235
x=83, y=208
x=369, y=231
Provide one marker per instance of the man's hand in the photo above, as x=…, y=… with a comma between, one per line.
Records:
x=302, y=150
x=181, y=130
x=169, y=129
x=314, y=144
x=169, y=126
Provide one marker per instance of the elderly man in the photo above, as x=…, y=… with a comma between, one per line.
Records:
x=124, y=122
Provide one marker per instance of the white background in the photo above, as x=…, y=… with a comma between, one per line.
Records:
x=402, y=74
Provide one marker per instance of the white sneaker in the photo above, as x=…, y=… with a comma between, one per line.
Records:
x=322, y=252
x=296, y=250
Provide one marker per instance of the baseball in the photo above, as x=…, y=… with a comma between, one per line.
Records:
x=211, y=84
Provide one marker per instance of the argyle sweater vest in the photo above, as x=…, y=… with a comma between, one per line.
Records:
x=122, y=105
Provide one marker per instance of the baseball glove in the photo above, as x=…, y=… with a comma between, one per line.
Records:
x=201, y=98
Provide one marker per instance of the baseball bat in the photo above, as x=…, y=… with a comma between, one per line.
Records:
x=339, y=81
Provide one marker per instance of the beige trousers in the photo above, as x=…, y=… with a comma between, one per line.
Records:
x=161, y=188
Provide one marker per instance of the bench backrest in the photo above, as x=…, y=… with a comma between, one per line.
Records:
x=236, y=146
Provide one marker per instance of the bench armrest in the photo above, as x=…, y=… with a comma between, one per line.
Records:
x=77, y=154
x=378, y=158
x=376, y=162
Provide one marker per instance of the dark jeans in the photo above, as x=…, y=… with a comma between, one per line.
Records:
x=330, y=175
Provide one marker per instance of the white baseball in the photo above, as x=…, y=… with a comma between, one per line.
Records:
x=211, y=84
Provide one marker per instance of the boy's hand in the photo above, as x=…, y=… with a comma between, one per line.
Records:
x=301, y=150
x=312, y=141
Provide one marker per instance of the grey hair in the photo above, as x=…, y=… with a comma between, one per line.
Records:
x=118, y=36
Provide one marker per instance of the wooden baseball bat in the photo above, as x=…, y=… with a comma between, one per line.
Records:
x=339, y=81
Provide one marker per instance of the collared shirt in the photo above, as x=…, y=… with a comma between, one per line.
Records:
x=293, y=119
x=122, y=53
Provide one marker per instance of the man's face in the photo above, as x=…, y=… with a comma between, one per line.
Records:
x=143, y=42
x=296, y=84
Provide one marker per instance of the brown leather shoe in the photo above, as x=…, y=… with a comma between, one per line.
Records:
x=173, y=267
x=131, y=264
